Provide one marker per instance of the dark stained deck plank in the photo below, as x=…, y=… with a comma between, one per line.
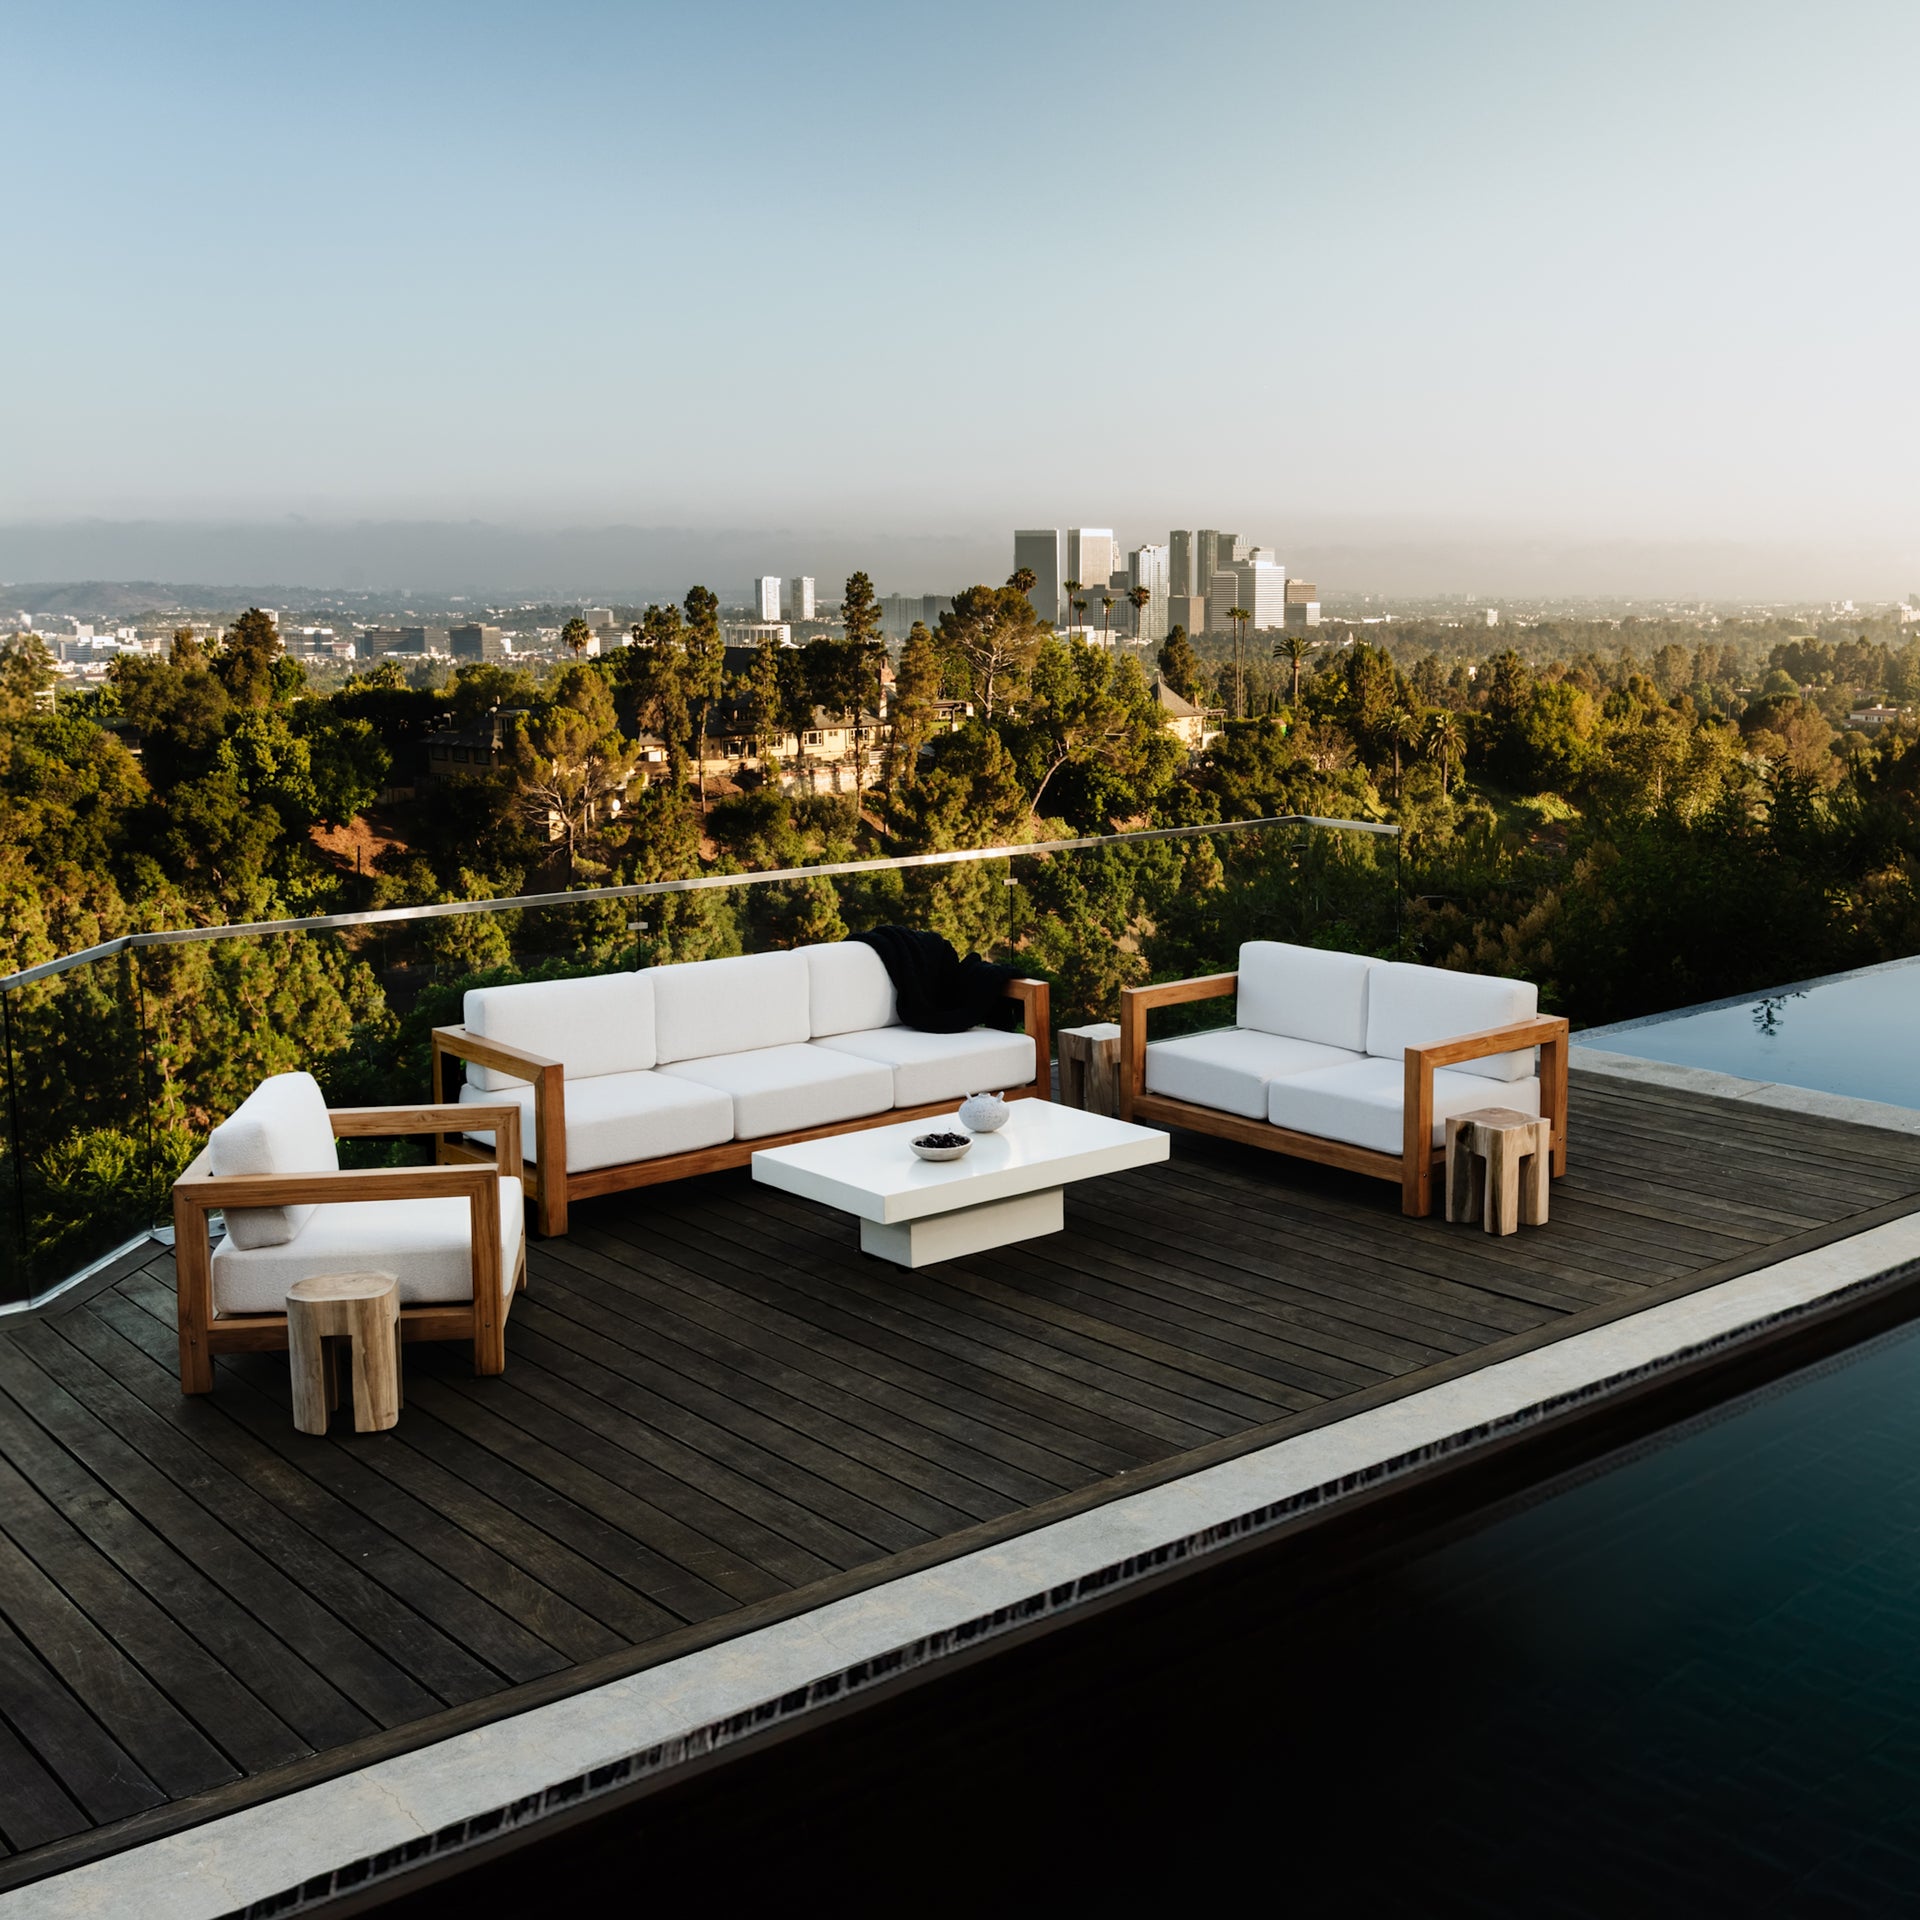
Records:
x=241, y=1640
x=192, y=1677
x=128, y=1708
x=722, y=1324
x=713, y=1402
x=563, y=1634
x=486, y=1643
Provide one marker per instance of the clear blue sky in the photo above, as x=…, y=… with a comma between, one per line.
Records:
x=1645, y=270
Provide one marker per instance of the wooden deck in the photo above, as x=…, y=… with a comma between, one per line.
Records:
x=716, y=1413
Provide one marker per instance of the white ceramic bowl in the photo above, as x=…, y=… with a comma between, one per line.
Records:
x=942, y=1153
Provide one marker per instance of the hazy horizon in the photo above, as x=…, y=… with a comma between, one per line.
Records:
x=1428, y=299
x=1407, y=560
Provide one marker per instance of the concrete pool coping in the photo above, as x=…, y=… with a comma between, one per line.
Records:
x=361, y=1833
x=1729, y=1086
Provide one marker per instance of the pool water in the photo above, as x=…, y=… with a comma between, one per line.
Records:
x=1685, y=1681
x=1852, y=1033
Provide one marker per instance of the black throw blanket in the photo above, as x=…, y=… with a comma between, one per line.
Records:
x=937, y=991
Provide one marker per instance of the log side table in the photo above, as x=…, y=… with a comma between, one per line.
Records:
x=1090, y=1067
x=1499, y=1162
x=361, y=1310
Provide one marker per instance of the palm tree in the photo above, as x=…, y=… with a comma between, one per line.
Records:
x=1072, y=587
x=1080, y=607
x=1106, y=618
x=1294, y=648
x=1446, y=742
x=1405, y=731
x=1239, y=616
x=1142, y=598
x=575, y=635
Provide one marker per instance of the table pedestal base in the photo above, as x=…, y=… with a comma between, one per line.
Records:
x=951, y=1236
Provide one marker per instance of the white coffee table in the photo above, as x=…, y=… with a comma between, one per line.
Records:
x=1007, y=1188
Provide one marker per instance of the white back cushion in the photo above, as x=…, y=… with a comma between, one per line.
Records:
x=600, y=1024
x=1411, y=1006
x=730, y=1006
x=1305, y=993
x=280, y=1127
x=849, y=989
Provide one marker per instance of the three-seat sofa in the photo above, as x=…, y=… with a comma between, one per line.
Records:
x=1345, y=1059
x=627, y=1079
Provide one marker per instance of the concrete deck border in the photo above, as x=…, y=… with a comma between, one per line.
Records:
x=346, y=1836
x=1728, y=1086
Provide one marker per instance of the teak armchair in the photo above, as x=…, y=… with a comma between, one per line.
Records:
x=552, y=1187
x=1414, y=1167
x=482, y=1320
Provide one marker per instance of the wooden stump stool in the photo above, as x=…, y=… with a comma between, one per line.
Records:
x=1499, y=1162
x=361, y=1310
x=1090, y=1067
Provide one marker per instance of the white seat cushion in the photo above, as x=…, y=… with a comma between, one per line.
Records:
x=1410, y=1006
x=942, y=1066
x=849, y=989
x=1363, y=1103
x=783, y=1089
x=615, y=1118
x=424, y=1244
x=1229, y=1068
x=1305, y=993
x=709, y=1007
x=602, y=1023
x=280, y=1127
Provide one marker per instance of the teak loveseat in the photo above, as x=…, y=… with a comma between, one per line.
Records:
x=1348, y=1060
x=628, y=1079
x=454, y=1237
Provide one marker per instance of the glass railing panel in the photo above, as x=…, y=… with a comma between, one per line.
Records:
x=81, y=1173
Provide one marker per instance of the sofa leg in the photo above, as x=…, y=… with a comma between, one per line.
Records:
x=196, y=1363
x=1416, y=1188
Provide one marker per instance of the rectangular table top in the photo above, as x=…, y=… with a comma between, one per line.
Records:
x=873, y=1172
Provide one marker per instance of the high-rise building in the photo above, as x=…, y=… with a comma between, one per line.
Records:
x=1303, y=604
x=1231, y=551
x=1147, y=567
x=1223, y=595
x=597, y=617
x=1090, y=556
x=1263, y=592
x=477, y=643
x=1206, y=557
x=1042, y=551
x=766, y=597
x=800, y=597
x=1180, y=559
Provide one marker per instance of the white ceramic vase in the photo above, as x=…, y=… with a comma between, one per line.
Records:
x=983, y=1112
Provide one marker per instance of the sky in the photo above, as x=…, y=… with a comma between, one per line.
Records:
x=1362, y=279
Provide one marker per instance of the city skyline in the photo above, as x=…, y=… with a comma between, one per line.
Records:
x=1590, y=351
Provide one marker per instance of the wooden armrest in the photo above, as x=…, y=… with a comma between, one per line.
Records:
x=502, y=1120
x=1544, y=1030
x=514, y=1061
x=320, y=1189
x=1036, y=1020
x=370, y=1122
x=1209, y=986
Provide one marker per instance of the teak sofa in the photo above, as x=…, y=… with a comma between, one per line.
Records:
x=1348, y=1060
x=454, y=1237
x=627, y=1079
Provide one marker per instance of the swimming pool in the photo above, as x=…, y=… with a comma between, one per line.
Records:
x=1849, y=1033
x=1679, y=1681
